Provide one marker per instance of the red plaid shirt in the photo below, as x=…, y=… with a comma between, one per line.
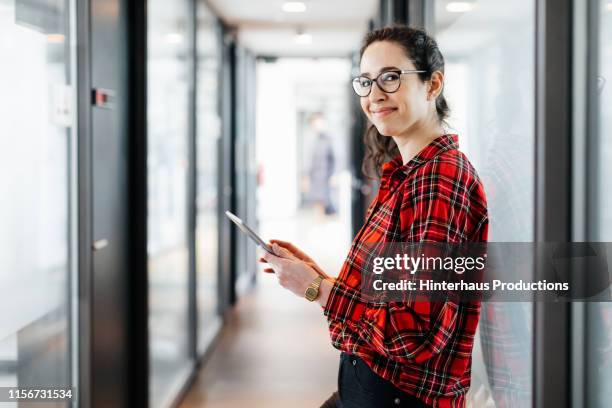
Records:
x=424, y=348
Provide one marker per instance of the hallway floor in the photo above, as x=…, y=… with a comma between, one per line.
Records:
x=275, y=350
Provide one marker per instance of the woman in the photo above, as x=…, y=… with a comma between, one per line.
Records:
x=401, y=354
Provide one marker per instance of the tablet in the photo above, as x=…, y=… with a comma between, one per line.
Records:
x=249, y=232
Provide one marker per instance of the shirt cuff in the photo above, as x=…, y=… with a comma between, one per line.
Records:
x=344, y=303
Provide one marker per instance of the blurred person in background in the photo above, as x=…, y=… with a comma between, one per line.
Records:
x=400, y=354
x=320, y=168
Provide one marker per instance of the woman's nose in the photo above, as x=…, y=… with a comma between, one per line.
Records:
x=376, y=94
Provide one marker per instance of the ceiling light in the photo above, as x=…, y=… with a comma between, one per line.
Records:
x=609, y=6
x=294, y=7
x=459, y=7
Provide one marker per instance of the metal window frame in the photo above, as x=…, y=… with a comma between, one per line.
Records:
x=580, y=195
x=227, y=169
x=84, y=204
x=392, y=12
x=593, y=175
x=192, y=211
x=138, y=147
x=585, y=176
x=553, y=192
x=73, y=204
x=421, y=14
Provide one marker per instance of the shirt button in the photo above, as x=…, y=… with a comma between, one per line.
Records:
x=397, y=401
x=354, y=362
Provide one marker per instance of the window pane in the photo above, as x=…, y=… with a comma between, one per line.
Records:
x=489, y=52
x=207, y=141
x=599, y=315
x=36, y=124
x=246, y=171
x=605, y=122
x=208, y=138
x=167, y=193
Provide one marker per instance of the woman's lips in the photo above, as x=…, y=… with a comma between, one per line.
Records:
x=380, y=113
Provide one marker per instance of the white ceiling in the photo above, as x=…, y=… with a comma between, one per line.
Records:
x=336, y=26
x=461, y=33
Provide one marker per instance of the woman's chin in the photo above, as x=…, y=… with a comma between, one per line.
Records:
x=385, y=130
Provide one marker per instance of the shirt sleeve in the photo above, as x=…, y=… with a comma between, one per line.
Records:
x=413, y=331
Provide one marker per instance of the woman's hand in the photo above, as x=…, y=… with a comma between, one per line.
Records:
x=293, y=273
x=299, y=254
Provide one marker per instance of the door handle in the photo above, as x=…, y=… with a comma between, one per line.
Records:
x=99, y=244
x=103, y=98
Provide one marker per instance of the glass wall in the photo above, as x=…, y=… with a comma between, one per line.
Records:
x=167, y=116
x=489, y=48
x=604, y=103
x=208, y=137
x=599, y=315
x=37, y=155
x=246, y=170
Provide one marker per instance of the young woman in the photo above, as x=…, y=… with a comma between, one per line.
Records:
x=400, y=354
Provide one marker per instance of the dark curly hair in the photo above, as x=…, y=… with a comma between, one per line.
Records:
x=423, y=51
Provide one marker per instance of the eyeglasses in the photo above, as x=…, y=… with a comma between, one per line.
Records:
x=387, y=81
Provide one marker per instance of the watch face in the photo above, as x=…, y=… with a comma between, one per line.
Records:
x=311, y=293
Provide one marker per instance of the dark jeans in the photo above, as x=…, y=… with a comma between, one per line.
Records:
x=360, y=387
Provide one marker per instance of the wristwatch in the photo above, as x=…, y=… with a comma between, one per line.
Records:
x=312, y=291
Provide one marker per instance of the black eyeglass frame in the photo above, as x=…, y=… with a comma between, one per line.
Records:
x=375, y=80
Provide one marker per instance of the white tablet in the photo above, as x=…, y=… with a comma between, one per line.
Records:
x=249, y=232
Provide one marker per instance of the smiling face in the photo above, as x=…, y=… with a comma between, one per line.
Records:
x=400, y=112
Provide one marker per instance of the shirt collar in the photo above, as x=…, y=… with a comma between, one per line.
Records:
x=436, y=147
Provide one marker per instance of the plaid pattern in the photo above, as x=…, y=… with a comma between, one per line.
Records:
x=424, y=348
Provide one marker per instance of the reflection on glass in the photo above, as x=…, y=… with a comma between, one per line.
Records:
x=489, y=53
x=208, y=134
x=36, y=124
x=599, y=315
x=167, y=85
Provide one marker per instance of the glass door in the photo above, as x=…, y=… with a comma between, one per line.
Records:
x=489, y=48
x=37, y=186
x=208, y=138
x=598, y=324
x=167, y=117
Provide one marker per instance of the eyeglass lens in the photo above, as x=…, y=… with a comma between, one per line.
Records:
x=387, y=82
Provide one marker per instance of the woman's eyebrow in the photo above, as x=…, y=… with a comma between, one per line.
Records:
x=379, y=71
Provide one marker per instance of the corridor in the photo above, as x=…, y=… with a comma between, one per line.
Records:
x=275, y=351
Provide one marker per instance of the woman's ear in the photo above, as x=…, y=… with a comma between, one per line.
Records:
x=436, y=83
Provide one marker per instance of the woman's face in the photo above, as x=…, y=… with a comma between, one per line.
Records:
x=394, y=114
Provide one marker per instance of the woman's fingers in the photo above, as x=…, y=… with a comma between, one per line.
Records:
x=275, y=260
x=267, y=270
x=282, y=243
x=280, y=248
x=287, y=245
x=298, y=253
x=283, y=252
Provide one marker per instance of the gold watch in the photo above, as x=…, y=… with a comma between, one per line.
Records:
x=312, y=291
